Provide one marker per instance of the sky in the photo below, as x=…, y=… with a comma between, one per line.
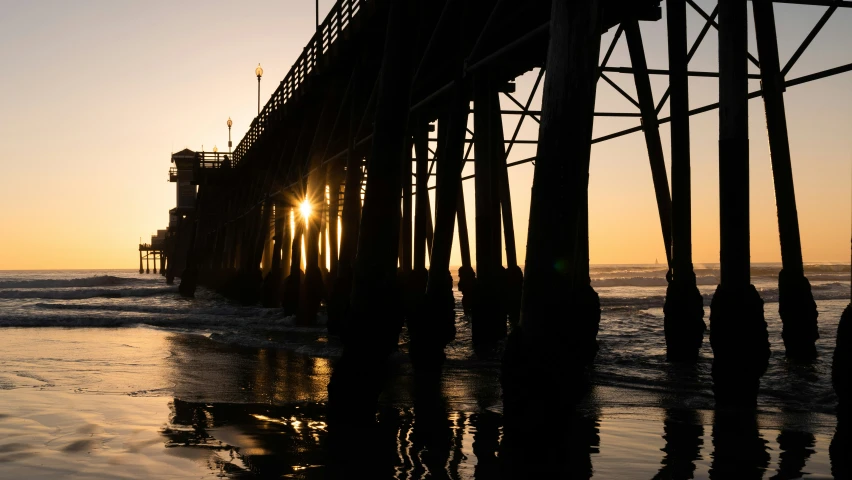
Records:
x=96, y=95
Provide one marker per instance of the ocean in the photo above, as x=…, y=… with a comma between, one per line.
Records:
x=110, y=368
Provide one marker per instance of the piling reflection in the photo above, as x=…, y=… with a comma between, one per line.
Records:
x=257, y=413
x=558, y=449
x=683, y=432
x=796, y=445
x=840, y=448
x=739, y=451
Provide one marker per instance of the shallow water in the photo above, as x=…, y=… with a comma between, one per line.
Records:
x=193, y=388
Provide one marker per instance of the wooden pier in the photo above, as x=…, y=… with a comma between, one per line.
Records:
x=375, y=113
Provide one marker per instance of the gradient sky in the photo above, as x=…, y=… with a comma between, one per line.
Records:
x=95, y=95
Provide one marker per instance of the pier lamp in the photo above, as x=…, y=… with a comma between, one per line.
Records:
x=259, y=72
x=230, y=124
x=215, y=149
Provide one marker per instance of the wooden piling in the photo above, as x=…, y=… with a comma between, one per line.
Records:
x=406, y=220
x=796, y=304
x=738, y=332
x=272, y=281
x=333, y=219
x=422, y=213
x=488, y=322
x=684, y=306
x=437, y=327
x=651, y=129
x=467, y=276
x=292, y=283
x=375, y=314
x=514, y=276
x=556, y=336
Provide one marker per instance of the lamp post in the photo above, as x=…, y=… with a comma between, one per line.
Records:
x=259, y=72
x=230, y=123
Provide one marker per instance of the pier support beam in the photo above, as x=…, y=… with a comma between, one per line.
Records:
x=286, y=241
x=556, y=336
x=795, y=301
x=684, y=306
x=514, y=282
x=430, y=333
x=350, y=225
x=141, y=270
x=651, y=129
x=467, y=277
x=311, y=293
x=293, y=282
x=738, y=332
x=422, y=212
x=272, y=282
x=406, y=225
x=488, y=323
x=334, y=179
x=371, y=332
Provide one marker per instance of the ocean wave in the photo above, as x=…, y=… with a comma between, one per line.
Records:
x=85, y=293
x=98, y=281
x=271, y=320
x=656, y=281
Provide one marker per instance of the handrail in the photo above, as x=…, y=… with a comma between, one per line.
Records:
x=338, y=19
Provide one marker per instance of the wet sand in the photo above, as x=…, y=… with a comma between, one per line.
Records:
x=145, y=403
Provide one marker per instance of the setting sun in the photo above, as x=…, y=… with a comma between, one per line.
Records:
x=305, y=209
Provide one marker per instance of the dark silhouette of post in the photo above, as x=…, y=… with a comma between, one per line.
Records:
x=796, y=304
x=293, y=282
x=557, y=332
x=514, y=274
x=467, y=277
x=651, y=129
x=312, y=287
x=738, y=332
x=349, y=224
x=434, y=330
x=286, y=240
x=333, y=219
x=272, y=282
x=406, y=225
x=421, y=202
x=684, y=306
x=371, y=332
x=488, y=323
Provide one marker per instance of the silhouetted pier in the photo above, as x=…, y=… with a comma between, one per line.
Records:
x=379, y=105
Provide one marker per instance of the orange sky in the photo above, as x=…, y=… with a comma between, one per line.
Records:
x=96, y=95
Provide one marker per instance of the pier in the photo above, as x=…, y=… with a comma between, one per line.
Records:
x=390, y=100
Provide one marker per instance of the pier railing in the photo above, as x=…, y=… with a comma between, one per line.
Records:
x=338, y=20
x=213, y=160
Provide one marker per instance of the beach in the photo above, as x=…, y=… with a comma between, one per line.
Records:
x=128, y=380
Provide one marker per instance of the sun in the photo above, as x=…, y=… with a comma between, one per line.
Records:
x=305, y=209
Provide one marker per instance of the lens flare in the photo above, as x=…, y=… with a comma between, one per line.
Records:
x=305, y=209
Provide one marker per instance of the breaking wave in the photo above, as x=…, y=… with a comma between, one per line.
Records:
x=83, y=294
x=97, y=281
